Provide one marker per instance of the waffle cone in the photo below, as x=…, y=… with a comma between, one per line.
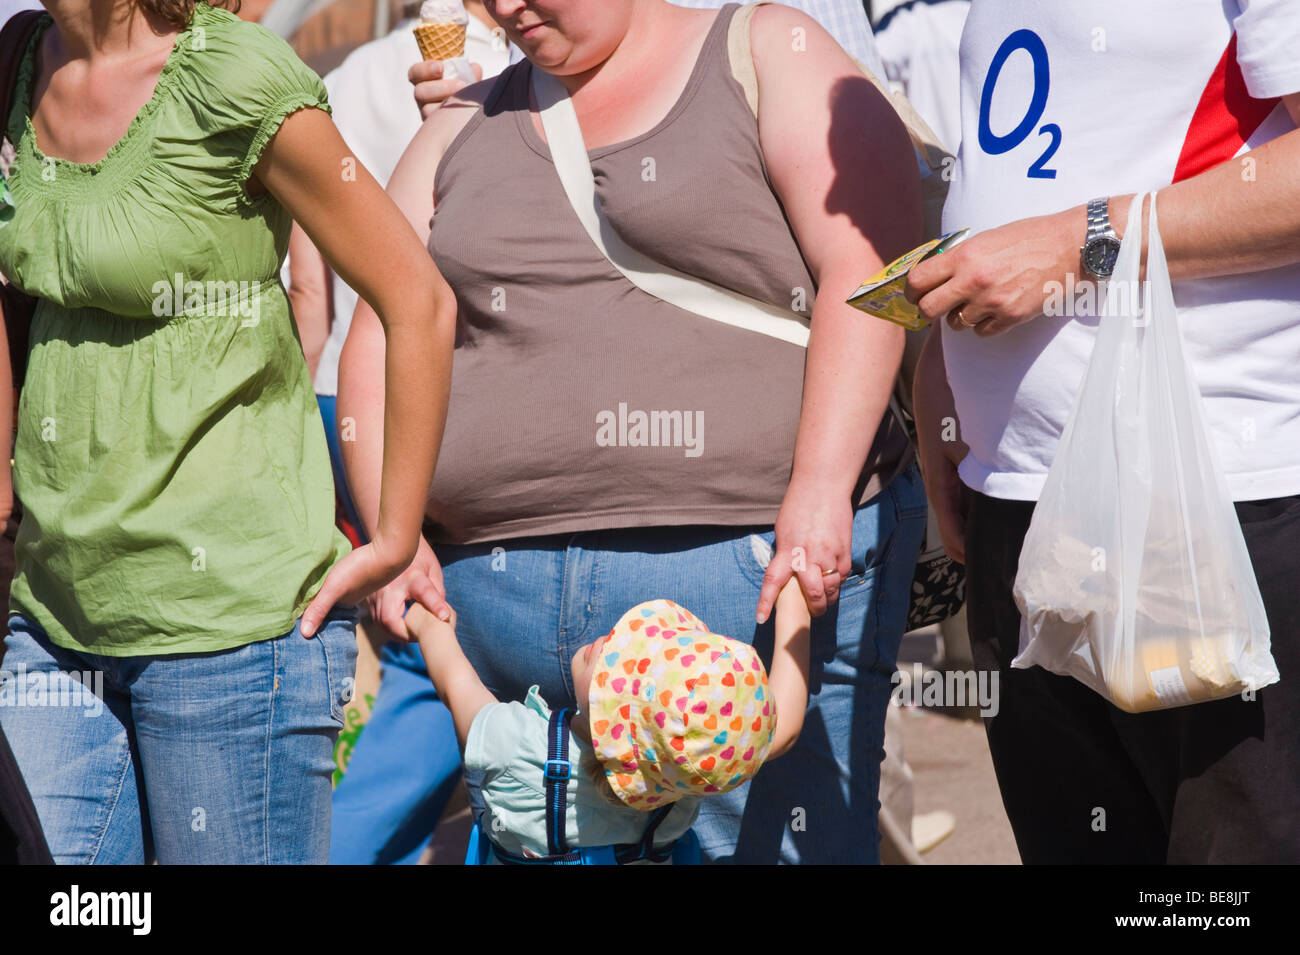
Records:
x=441, y=41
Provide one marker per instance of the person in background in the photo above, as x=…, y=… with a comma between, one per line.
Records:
x=918, y=43
x=405, y=764
x=1068, y=112
x=329, y=30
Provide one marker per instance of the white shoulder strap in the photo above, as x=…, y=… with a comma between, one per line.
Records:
x=569, y=153
x=740, y=54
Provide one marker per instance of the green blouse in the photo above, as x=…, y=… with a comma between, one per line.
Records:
x=170, y=456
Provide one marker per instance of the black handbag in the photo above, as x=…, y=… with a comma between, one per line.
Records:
x=939, y=583
x=17, y=306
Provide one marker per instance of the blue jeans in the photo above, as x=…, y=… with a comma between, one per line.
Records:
x=407, y=761
x=525, y=606
x=328, y=414
x=402, y=772
x=204, y=758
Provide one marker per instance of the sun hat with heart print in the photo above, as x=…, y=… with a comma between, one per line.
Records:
x=676, y=710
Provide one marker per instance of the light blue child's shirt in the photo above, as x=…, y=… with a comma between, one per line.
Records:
x=507, y=743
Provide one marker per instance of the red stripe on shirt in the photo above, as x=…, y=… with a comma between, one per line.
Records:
x=1225, y=118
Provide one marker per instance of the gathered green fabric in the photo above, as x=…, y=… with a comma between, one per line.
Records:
x=170, y=456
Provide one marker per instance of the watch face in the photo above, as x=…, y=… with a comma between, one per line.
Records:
x=1099, y=255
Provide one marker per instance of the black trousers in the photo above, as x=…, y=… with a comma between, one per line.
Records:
x=1084, y=782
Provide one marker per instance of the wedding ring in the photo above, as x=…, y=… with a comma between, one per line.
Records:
x=827, y=573
x=962, y=318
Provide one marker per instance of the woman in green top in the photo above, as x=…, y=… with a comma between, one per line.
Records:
x=179, y=532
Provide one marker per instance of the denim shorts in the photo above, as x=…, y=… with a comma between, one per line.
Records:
x=525, y=606
x=205, y=758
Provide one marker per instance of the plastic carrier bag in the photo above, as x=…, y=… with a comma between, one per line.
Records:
x=1134, y=576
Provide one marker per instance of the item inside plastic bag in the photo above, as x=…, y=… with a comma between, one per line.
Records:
x=1134, y=576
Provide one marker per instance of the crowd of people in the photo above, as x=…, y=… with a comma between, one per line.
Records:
x=583, y=471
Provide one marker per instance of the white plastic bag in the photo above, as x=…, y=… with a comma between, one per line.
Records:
x=1134, y=576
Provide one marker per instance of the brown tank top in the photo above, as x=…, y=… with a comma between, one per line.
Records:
x=580, y=402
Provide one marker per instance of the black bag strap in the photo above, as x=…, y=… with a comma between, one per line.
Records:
x=15, y=36
x=16, y=33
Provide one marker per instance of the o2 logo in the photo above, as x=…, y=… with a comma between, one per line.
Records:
x=995, y=145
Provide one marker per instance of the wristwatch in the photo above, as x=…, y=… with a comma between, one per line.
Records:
x=1100, y=246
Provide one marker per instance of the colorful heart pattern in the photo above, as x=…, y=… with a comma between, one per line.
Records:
x=698, y=698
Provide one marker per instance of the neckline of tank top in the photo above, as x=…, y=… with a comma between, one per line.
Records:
x=523, y=117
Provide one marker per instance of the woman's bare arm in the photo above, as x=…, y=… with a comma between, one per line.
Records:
x=361, y=395
x=369, y=243
x=841, y=162
x=309, y=295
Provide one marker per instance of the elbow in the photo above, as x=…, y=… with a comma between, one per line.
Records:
x=426, y=308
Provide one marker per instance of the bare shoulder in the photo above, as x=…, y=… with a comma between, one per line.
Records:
x=446, y=122
x=424, y=153
x=782, y=38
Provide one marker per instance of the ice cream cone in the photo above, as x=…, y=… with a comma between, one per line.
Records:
x=441, y=41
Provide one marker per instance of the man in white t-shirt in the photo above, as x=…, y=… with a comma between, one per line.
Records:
x=1063, y=104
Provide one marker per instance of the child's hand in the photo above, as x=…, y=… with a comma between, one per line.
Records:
x=420, y=623
x=458, y=686
x=788, y=676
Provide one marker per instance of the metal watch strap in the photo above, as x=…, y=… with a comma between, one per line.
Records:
x=1098, y=219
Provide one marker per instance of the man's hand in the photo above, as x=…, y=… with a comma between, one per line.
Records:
x=998, y=279
x=430, y=86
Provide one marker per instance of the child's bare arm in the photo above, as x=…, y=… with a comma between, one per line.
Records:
x=788, y=677
x=454, y=678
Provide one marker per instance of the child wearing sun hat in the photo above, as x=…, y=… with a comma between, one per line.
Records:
x=668, y=713
x=675, y=710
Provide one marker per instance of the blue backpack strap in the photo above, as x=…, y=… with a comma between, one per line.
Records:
x=556, y=775
x=558, y=771
x=599, y=855
x=479, y=845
